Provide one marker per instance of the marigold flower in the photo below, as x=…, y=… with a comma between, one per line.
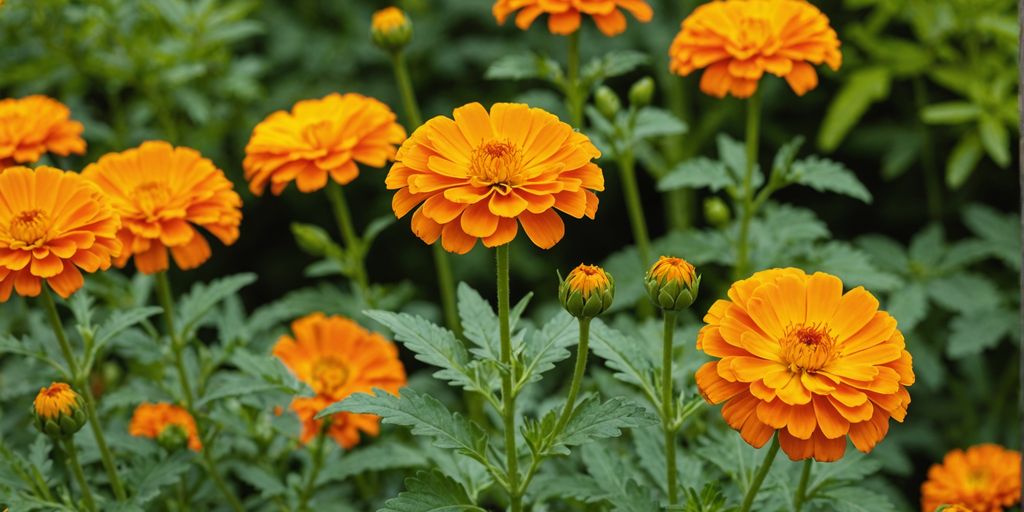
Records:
x=984, y=478
x=737, y=41
x=587, y=291
x=672, y=283
x=53, y=225
x=482, y=174
x=34, y=125
x=390, y=28
x=152, y=419
x=320, y=138
x=162, y=194
x=564, y=15
x=58, y=410
x=794, y=354
x=336, y=357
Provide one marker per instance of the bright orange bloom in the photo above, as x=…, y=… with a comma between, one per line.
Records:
x=794, y=354
x=53, y=225
x=34, y=125
x=483, y=174
x=564, y=15
x=162, y=194
x=56, y=400
x=737, y=41
x=336, y=357
x=985, y=478
x=321, y=138
x=150, y=420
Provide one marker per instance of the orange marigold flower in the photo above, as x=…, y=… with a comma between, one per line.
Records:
x=53, y=225
x=34, y=125
x=150, y=420
x=482, y=174
x=56, y=400
x=738, y=40
x=336, y=357
x=162, y=193
x=984, y=478
x=794, y=354
x=321, y=138
x=564, y=15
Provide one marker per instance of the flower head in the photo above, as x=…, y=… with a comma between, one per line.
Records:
x=391, y=28
x=157, y=420
x=53, y=225
x=737, y=41
x=320, y=139
x=34, y=125
x=58, y=410
x=336, y=357
x=483, y=174
x=587, y=291
x=984, y=478
x=794, y=354
x=672, y=283
x=564, y=15
x=163, y=194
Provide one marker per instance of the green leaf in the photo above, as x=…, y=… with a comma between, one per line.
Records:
x=611, y=64
x=862, y=88
x=543, y=348
x=372, y=458
x=885, y=253
x=1000, y=232
x=203, y=298
x=965, y=293
x=611, y=472
x=123, y=320
x=995, y=138
x=231, y=384
x=784, y=158
x=856, y=499
x=151, y=478
x=853, y=266
x=315, y=241
x=962, y=161
x=734, y=155
x=560, y=487
x=592, y=419
x=908, y=305
x=826, y=175
x=480, y=322
x=970, y=334
x=952, y=112
x=927, y=246
x=699, y=172
x=631, y=364
x=655, y=122
x=268, y=484
x=431, y=491
x=853, y=467
x=523, y=67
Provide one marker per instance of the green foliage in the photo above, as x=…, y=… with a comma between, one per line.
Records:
x=431, y=491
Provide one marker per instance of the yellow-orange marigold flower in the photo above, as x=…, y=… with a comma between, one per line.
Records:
x=794, y=354
x=162, y=194
x=984, y=478
x=564, y=15
x=151, y=419
x=55, y=400
x=34, y=125
x=482, y=174
x=737, y=41
x=320, y=139
x=53, y=225
x=337, y=357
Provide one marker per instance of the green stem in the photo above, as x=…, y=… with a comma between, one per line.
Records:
x=80, y=382
x=574, y=93
x=678, y=202
x=166, y=299
x=41, y=485
x=412, y=109
x=353, y=244
x=318, y=462
x=668, y=405
x=801, y=490
x=577, y=376
x=76, y=468
x=627, y=165
x=762, y=472
x=508, y=399
x=747, y=199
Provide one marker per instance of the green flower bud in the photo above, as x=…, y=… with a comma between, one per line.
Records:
x=608, y=103
x=314, y=241
x=672, y=283
x=172, y=438
x=716, y=211
x=642, y=92
x=59, y=412
x=587, y=291
x=391, y=29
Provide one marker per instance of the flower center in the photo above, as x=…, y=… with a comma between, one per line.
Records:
x=30, y=227
x=808, y=348
x=978, y=478
x=329, y=375
x=151, y=195
x=496, y=163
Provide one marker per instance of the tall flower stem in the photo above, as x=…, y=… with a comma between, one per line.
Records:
x=442, y=264
x=353, y=244
x=627, y=166
x=80, y=381
x=801, y=490
x=574, y=93
x=166, y=299
x=71, y=450
x=318, y=462
x=747, y=199
x=762, y=472
x=577, y=375
x=508, y=399
x=668, y=405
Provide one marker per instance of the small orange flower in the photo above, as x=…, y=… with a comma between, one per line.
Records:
x=162, y=193
x=34, y=125
x=564, y=15
x=53, y=225
x=482, y=174
x=150, y=420
x=737, y=41
x=984, y=478
x=336, y=357
x=320, y=139
x=794, y=354
x=56, y=400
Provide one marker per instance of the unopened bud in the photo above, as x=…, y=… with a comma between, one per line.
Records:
x=642, y=92
x=391, y=29
x=59, y=412
x=672, y=283
x=587, y=291
x=314, y=240
x=716, y=211
x=607, y=102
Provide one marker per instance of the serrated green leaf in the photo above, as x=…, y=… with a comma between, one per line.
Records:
x=699, y=172
x=885, y=253
x=908, y=305
x=372, y=458
x=853, y=467
x=122, y=320
x=965, y=293
x=927, y=246
x=862, y=88
x=431, y=491
x=612, y=473
x=1000, y=232
x=547, y=346
x=231, y=384
x=559, y=487
x=962, y=161
x=622, y=354
x=268, y=484
x=655, y=122
x=523, y=67
x=826, y=175
x=203, y=298
x=856, y=499
x=150, y=479
x=613, y=64
x=480, y=322
x=966, y=338
x=592, y=419
x=853, y=266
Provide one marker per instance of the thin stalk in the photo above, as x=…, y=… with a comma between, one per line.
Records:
x=574, y=93
x=747, y=210
x=314, y=472
x=762, y=472
x=508, y=398
x=668, y=406
x=353, y=244
x=577, y=376
x=41, y=485
x=801, y=490
x=678, y=202
x=627, y=166
x=412, y=109
x=76, y=468
x=80, y=382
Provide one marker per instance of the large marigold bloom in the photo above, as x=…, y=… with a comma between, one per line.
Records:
x=53, y=225
x=320, y=139
x=984, y=478
x=162, y=194
x=794, y=354
x=737, y=41
x=150, y=420
x=482, y=174
x=564, y=15
x=34, y=125
x=336, y=357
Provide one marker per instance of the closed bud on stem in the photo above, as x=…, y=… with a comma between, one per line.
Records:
x=716, y=211
x=587, y=291
x=642, y=92
x=672, y=283
x=59, y=412
x=391, y=29
x=313, y=240
x=172, y=438
x=608, y=103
